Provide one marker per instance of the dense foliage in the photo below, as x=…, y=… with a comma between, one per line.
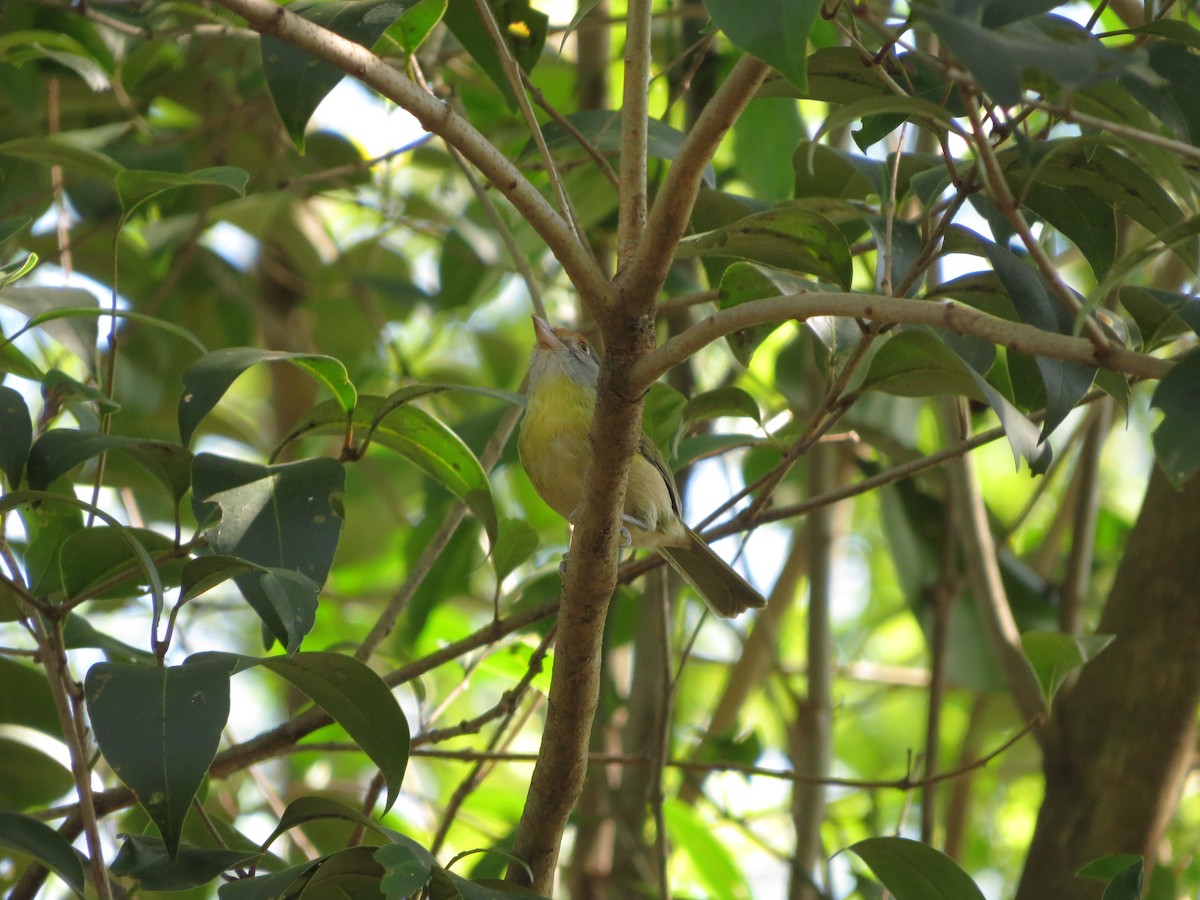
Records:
x=279, y=610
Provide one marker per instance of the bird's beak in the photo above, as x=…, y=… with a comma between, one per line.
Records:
x=546, y=338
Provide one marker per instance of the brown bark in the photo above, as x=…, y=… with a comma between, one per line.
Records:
x=1119, y=743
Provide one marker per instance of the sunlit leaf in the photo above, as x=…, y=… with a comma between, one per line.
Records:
x=522, y=27
x=1054, y=655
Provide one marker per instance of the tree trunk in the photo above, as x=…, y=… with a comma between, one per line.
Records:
x=1118, y=745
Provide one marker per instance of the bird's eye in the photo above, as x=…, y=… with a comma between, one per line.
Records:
x=583, y=345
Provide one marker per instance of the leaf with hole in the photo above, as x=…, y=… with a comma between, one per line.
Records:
x=158, y=728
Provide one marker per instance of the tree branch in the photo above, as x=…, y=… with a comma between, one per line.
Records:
x=949, y=315
x=635, y=126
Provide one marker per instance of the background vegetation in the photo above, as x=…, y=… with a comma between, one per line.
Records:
x=281, y=615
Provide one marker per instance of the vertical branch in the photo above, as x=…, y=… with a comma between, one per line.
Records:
x=1083, y=531
x=635, y=123
x=813, y=732
x=979, y=549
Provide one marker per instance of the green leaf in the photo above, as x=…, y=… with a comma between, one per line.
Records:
x=792, y=239
x=43, y=843
x=206, y=572
x=26, y=699
x=149, y=862
x=136, y=187
x=1065, y=382
x=206, y=380
x=712, y=860
x=742, y=282
x=158, y=728
x=903, y=105
x=1127, y=884
x=515, y=543
x=299, y=82
x=350, y=874
x=77, y=333
x=439, y=452
x=1054, y=655
x=93, y=556
x=416, y=23
x=1160, y=315
x=522, y=27
x=67, y=149
x=29, y=778
x=407, y=867
x=60, y=388
x=911, y=870
x=18, y=269
x=308, y=809
x=1106, y=868
x=602, y=129
x=776, y=31
x=917, y=363
x=78, y=632
x=1088, y=221
x=356, y=698
x=281, y=517
x=270, y=887
x=1177, y=438
x=16, y=434
x=731, y=402
x=58, y=451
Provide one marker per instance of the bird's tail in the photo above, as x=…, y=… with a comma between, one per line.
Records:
x=724, y=590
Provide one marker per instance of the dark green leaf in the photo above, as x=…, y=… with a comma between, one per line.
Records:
x=350, y=874
x=206, y=572
x=206, y=380
x=1054, y=655
x=792, y=239
x=16, y=434
x=522, y=27
x=11, y=226
x=602, y=129
x=59, y=450
x=279, y=517
x=917, y=363
x=1160, y=315
x=78, y=632
x=59, y=387
x=270, y=887
x=1106, y=868
x=299, y=82
x=69, y=150
x=776, y=31
x=30, y=778
x=911, y=870
x=308, y=809
x=148, y=861
x=43, y=843
x=1126, y=885
x=101, y=556
x=26, y=699
x=1065, y=382
x=1088, y=221
x=1177, y=438
x=158, y=728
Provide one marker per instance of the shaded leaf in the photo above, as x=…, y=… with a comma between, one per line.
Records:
x=101, y=555
x=911, y=870
x=59, y=450
x=731, y=402
x=602, y=129
x=29, y=778
x=158, y=728
x=71, y=150
x=16, y=434
x=43, y=843
x=206, y=380
x=1160, y=315
x=299, y=82
x=776, y=31
x=1177, y=438
x=148, y=861
x=206, y=572
x=308, y=809
x=136, y=187
x=792, y=239
x=284, y=517
x=269, y=887
x=76, y=332
x=917, y=363
x=522, y=27
x=350, y=874
x=742, y=282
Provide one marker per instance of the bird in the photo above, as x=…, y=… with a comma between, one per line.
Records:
x=554, y=449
